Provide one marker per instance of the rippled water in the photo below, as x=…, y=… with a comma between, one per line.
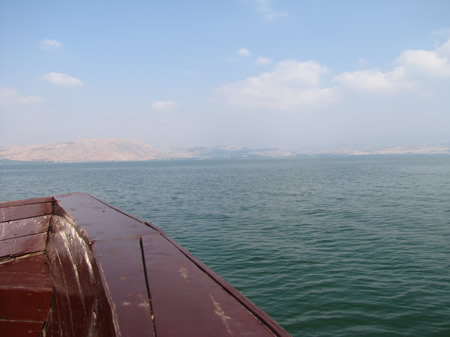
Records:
x=348, y=246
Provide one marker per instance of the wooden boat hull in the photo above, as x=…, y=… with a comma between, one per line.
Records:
x=94, y=270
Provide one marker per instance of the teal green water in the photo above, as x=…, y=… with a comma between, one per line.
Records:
x=348, y=246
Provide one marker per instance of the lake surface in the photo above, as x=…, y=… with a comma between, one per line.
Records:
x=344, y=246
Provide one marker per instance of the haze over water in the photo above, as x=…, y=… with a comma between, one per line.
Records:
x=342, y=246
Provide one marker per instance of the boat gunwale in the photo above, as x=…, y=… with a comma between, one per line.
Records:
x=58, y=209
x=260, y=314
x=25, y=202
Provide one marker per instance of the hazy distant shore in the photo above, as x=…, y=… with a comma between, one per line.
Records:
x=117, y=150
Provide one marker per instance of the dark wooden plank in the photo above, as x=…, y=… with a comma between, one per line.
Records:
x=123, y=270
x=35, y=264
x=100, y=220
x=25, y=296
x=20, y=328
x=23, y=245
x=188, y=302
x=26, y=202
x=24, y=227
x=29, y=304
x=104, y=222
x=253, y=308
x=25, y=280
x=26, y=211
x=26, y=289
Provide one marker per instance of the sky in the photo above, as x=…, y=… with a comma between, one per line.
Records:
x=299, y=75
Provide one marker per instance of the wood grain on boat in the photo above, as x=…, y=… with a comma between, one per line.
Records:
x=91, y=269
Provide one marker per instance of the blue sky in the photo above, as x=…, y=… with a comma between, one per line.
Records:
x=301, y=75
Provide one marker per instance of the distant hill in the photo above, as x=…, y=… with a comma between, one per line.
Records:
x=101, y=150
x=86, y=150
x=236, y=153
x=399, y=150
x=104, y=150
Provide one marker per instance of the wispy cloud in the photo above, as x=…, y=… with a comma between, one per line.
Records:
x=50, y=44
x=243, y=52
x=291, y=84
x=62, y=79
x=11, y=96
x=362, y=61
x=164, y=105
x=264, y=7
x=263, y=60
x=442, y=34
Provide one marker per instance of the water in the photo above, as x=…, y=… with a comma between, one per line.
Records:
x=348, y=246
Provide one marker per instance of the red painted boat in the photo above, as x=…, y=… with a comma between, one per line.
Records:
x=73, y=265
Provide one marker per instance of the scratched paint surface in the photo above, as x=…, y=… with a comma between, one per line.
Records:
x=185, y=300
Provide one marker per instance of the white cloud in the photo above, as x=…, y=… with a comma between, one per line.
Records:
x=442, y=34
x=425, y=63
x=372, y=79
x=264, y=7
x=164, y=105
x=444, y=50
x=62, y=79
x=413, y=69
x=243, y=52
x=50, y=44
x=263, y=60
x=291, y=84
x=11, y=96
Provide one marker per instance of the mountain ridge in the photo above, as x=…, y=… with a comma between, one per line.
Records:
x=107, y=150
x=114, y=149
